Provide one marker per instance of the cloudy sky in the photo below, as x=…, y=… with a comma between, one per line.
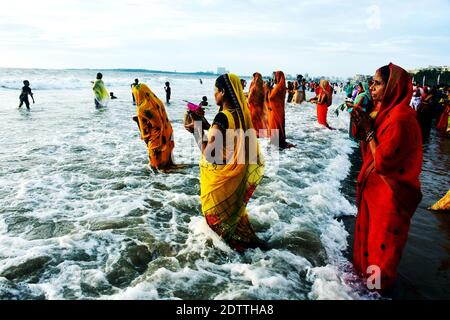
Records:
x=319, y=37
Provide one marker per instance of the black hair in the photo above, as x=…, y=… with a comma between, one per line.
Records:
x=26, y=82
x=167, y=83
x=99, y=76
x=205, y=98
x=136, y=80
x=385, y=73
x=221, y=84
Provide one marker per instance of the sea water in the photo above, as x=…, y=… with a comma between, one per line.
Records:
x=82, y=216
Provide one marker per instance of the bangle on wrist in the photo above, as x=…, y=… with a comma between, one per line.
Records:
x=370, y=135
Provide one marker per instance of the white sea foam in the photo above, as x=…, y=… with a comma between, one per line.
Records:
x=75, y=188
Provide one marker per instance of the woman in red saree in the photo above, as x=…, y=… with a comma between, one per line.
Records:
x=256, y=104
x=276, y=113
x=324, y=99
x=388, y=190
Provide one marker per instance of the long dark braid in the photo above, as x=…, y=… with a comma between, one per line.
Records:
x=235, y=100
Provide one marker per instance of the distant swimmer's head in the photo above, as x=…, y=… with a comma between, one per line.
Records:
x=111, y=94
x=136, y=81
x=99, y=76
x=26, y=83
x=205, y=99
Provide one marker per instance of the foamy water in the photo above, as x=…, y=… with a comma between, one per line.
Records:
x=81, y=216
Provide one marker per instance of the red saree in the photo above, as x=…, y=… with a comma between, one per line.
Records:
x=388, y=190
x=276, y=120
x=325, y=99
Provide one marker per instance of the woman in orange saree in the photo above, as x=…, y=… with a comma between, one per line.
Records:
x=276, y=112
x=388, y=189
x=256, y=104
x=230, y=170
x=155, y=127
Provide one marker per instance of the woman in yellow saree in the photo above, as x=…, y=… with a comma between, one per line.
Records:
x=155, y=127
x=230, y=172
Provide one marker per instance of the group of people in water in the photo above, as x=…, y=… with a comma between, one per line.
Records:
x=232, y=164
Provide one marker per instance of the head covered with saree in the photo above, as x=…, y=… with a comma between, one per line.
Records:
x=226, y=189
x=154, y=126
x=325, y=88
x=276, y=114
x=398, y=92
x=256, y=103
x=388, y=189
x=365, y=94
x=256, y=91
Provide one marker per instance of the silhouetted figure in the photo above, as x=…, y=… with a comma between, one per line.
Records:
x=136, y=82
x=204, y=102
x=26, y=90
x=168, y=92
x=244, y=84
x=111, y=94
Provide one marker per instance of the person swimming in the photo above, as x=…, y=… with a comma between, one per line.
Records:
x=112, y=96
x=26, y=91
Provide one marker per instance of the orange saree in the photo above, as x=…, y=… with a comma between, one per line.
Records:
x=276, y=115
x=154, y=126
x=256, y=103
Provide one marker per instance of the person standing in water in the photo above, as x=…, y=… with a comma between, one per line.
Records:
x=155, y=128
x=323, y=100
x=100, y=92
x=230, y=172
x=388, y=188
x=168, y=92
x=26, y=90
x=276, y=112
x=134, y=84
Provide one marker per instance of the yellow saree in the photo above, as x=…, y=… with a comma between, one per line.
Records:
x=226, y=189
x=154, y=126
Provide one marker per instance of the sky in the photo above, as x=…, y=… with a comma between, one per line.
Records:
x=317, y=37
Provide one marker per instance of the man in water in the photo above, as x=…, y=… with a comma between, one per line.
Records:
x=168, y=92
x=112, y=97
x=26, y=90
x=136, y=82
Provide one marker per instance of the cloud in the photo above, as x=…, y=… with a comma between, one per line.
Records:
x=245, y=36
x=374, y=20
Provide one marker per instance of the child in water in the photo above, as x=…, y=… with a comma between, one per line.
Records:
x=26, y=90
x=112, y=96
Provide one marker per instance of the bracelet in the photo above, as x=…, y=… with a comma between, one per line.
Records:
x=370, y=135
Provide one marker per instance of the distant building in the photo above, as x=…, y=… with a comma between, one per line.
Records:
x=222, y=70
